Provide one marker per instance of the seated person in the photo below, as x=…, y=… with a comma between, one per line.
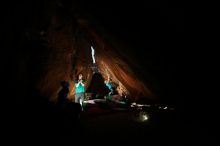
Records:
x=119, y=94
x=110, y=86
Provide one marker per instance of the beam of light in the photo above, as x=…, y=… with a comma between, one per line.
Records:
x=93, y=53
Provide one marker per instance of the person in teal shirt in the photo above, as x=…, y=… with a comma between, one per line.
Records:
x=80, y=90
x=110, y=85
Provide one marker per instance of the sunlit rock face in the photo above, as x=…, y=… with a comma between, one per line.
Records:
x=112, y=62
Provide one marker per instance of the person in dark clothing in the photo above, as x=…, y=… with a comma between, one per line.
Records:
x=63, y=95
